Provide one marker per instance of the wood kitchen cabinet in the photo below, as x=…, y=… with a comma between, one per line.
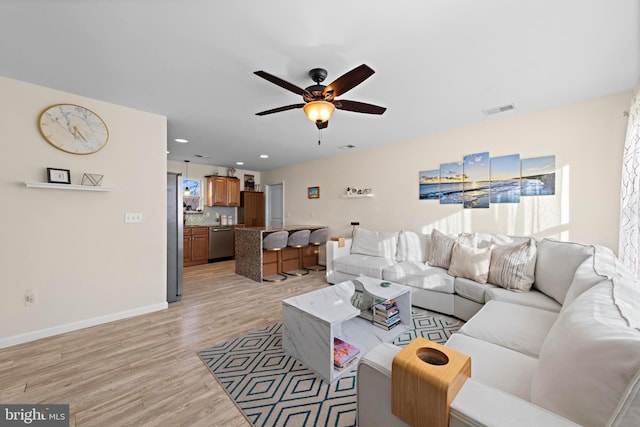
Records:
x=251, y=211
x=196, y=246
x=223, y=191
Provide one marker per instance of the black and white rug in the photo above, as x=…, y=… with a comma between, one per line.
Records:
x=273, y=389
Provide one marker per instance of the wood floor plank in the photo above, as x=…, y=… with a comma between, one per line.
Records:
x=144, y=371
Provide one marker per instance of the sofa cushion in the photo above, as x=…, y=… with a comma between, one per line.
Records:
x=471, y=290
x=375, y=243
x=470, y=263
x=431, y=278
x=497, y=366
x=585, y=278
x=413, y=247
x=593, y=347
x=357, y=264
x=488, y=239
x=557, y=264
x=513, y=266
x=397, y=272
x=442, y=245
x=513, y=326
x=532, y=298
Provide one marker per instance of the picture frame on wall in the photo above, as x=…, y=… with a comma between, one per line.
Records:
x=313, y=192
x=58, y=176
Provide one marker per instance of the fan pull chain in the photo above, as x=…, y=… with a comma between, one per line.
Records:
x=319, y=135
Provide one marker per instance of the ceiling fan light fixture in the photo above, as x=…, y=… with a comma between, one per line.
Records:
x=319, y=111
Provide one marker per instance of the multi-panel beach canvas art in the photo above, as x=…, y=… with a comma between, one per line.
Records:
x=505, y=179
x=430, y=184
x=480, y=180
x=539, y=176
x=451, y=182
x=476, y=180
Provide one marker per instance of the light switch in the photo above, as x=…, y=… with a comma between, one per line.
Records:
x=132, y=217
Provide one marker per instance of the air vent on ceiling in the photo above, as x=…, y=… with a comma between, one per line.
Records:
x=200, y=156
x=500, y=109
x=347, y=147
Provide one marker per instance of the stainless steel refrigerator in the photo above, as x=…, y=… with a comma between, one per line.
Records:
x=175, y=241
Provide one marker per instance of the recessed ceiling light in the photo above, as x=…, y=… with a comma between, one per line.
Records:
x=264, y=156
x=239, y=163
x=181, y=140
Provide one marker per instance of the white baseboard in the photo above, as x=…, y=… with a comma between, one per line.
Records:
x=43, y=333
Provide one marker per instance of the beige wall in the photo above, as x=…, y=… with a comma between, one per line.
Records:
x=72, y=247
x=587, y=139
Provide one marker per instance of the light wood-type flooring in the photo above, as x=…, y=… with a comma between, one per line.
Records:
x=144, y=370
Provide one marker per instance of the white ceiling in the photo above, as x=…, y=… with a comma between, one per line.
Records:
x=438, y=64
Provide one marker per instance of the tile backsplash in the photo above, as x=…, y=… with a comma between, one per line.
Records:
x=213, y=217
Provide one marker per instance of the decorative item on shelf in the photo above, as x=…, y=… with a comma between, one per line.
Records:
x=313, y=192
x=92, y=179
x=231, y=172
x=58, y=176
x=73, y=129
x=352, y=191
x=249, y=182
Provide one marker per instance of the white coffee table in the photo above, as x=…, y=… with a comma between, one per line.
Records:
x=311, y=321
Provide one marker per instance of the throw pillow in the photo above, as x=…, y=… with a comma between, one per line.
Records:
x=559, y=261
x=441, y=247
x=375, y=243
x=589, y=364
x=513, y=267
x=470, y=263
x=413, y=247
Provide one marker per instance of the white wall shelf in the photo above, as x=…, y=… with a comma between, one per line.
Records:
x=66, y=186
x=356, y=196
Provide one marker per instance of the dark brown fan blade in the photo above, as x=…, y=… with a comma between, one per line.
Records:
x=358, y=107
x=282, y=83
x=322, y=125
x=349, y=80
x=277, y=110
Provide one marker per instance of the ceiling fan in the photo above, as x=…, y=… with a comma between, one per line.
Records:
x=319, y=100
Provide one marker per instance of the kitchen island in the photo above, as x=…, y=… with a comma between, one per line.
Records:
x=248, y=248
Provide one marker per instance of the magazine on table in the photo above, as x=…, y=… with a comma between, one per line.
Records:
x=343, y=352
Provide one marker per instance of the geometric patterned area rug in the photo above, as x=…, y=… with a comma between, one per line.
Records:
x=273, y=389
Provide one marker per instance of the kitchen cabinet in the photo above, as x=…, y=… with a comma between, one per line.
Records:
x=251, y=211
x=223, y=191
x=195, y=246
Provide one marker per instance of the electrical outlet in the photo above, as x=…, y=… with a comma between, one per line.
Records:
x=30, y=297
x=132, y=217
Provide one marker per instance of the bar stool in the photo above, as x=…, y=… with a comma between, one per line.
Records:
x=299, y=240
x=274, y=242
x=318, y=238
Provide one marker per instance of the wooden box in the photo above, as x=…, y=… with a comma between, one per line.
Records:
x=425, y=378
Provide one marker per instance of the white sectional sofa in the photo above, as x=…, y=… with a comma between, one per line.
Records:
x=402, y=257
x=565, y=352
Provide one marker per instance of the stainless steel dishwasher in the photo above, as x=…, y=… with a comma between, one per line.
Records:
x=220, y=242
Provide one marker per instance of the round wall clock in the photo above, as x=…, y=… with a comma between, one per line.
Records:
x=73, y=128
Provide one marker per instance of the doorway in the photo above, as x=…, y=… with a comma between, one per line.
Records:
x=274, y=195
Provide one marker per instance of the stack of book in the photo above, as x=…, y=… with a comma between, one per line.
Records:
x=386, y=314
x=343, y=353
